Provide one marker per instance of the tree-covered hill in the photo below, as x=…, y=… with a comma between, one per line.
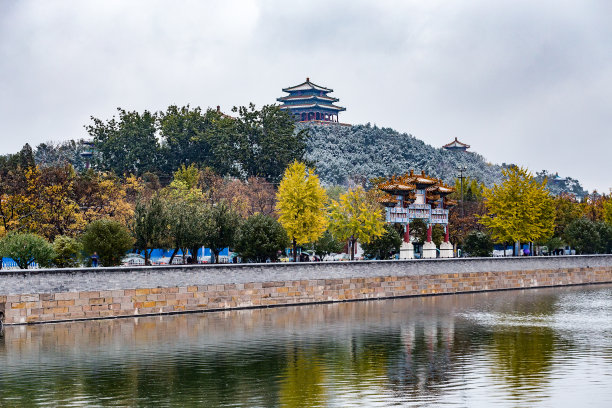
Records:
x=343, y=154
x=348, y=154
x=262, y=143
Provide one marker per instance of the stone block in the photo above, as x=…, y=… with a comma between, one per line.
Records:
x=29, y=298
x=87, y=295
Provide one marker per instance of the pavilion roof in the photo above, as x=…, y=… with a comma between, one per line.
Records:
x=440, y=188
x=432, y=196
x=449, y=202
x=313, y=105
x=387, y=201
x=420, y=179
x=306, y=97
x=456, y=144
x=307, y=85
x=396, y=185
x=406, y=184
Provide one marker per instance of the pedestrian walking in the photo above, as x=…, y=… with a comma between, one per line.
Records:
x=94, y=260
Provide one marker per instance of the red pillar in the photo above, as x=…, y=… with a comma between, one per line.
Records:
x=407, y=233
x=429, y=232
x=446, y=238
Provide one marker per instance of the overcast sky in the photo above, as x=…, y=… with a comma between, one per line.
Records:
x=526, y=82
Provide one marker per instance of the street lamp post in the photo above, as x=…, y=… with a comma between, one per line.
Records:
x=461, y=170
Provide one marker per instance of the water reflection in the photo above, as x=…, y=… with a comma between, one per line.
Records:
x=517, y=348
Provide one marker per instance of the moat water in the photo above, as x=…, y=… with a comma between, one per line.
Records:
x=543, y=347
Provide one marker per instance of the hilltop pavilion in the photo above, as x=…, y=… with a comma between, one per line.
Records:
x=418, y=196
x=309, y=102
x=456, y=145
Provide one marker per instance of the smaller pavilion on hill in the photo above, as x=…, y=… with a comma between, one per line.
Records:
x=456, y=145
x=418, y=196
x=309, y=102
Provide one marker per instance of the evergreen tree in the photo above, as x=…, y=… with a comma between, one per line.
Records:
x=109, y=239
x=26, y=249
x=583, y=236
x=384, y=246
x=67, y=251
x=327, y=244
x=478, y=243
x=127, y=145
x=268, y=141
x=261, y=237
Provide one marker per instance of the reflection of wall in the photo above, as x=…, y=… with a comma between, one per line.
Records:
x=48, y=296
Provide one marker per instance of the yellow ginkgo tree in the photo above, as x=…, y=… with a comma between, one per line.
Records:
x=356, y=217
x=520, y=209
x=301, y=205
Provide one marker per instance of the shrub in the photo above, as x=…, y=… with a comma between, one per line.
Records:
x=583, y=236
x=385, y=245
x=67, y=252
x=25, y=249
x=327, y=244
x=261, y=237
x=478, y=243
x=110, y=239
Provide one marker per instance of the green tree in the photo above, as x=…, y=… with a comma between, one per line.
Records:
x=327, y=244
x=221, y=227
x=418, y=230
x=150, y=226
x=356, y=218
x=109, y=239
x=520, y=209
x=26, y=249
x=605, y=237
x=478, y=243
x=190, y=176
x=189, y=225
x=553, y=244
x=582, y=235
x=472, y=190
x=385, y=245
x=127, y=145
x=268, y=141
x=67, y=252
x=301, y=205
x=567, y=209
x=607, y=210
x=182, y=131
x=261, y=237
x=334, y=192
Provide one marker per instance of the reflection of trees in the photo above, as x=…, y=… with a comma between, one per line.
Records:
x=409, y=349
x=524, y=350
x=525, y=357
x=302, y=383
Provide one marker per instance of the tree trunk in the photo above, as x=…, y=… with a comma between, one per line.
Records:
x=352, y=244
x=173, y=255
x=294, y=243
x=194, y=255
x=147, y=256
x=215, y=254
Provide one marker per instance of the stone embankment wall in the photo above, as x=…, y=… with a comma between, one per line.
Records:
x=70, y=294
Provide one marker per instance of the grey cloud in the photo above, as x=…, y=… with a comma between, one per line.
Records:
x=521, y=81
